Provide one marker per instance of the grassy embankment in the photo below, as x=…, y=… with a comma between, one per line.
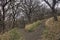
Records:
x=33, y=26
x=13, y=34
x=52, y=29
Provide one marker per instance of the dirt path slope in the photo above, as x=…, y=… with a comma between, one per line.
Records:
x=35, y=35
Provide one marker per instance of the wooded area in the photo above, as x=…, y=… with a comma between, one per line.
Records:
x=15, y=13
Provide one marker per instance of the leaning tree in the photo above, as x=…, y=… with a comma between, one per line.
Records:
x=52, y=6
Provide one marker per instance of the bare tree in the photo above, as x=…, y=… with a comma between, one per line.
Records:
x=52, y=8
x=3, y=4
x=29, y=6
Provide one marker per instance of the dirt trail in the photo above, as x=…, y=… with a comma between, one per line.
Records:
x=35, y=35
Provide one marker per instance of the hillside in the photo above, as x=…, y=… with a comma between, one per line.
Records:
x=52, y=29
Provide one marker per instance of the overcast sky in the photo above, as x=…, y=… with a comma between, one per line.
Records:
x=50, y=3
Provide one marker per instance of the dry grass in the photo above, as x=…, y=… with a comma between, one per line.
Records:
x=53, y=25
x=52, y=30
x=13, y=34
x=33, y=26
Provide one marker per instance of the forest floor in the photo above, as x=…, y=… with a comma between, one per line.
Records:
x=36, y=34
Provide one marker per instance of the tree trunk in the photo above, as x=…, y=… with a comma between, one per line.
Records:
x=54, y=15
x=29, y=18
x=13, y=21
x=3, y=19
x=13, y=18
x=1, y=22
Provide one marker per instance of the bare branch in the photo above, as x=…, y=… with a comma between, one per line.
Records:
x=6, y=3
x=48, y=3
x=54, y=3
